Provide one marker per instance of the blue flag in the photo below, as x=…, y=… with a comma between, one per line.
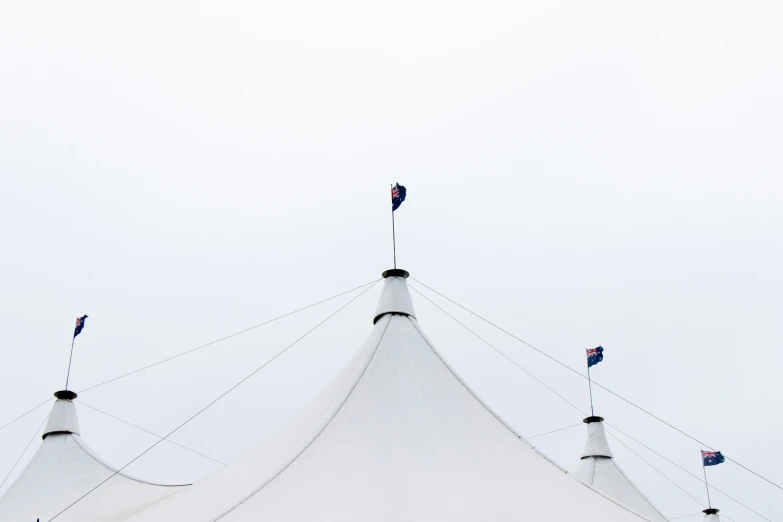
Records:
x=398, y=196
x=712, y=458
x=79, y=325
x=594, y=356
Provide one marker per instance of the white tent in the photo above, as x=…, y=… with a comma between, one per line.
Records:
x=64, y=469
x=599, y=470
x=396, y=437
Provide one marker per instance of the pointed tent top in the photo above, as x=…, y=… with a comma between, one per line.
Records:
x=395, y=298
x=397, y=435
x=64, y=470
x=63, y=418
x=597, y=445
x=711, y=515
x=599, y=470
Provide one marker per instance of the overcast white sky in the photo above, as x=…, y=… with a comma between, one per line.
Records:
x=581, y=173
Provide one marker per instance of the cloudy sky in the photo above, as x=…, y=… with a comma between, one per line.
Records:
x=580, y=173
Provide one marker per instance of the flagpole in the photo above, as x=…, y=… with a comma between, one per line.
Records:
x=67, y=377
x=704, y=468
x=394, y=237
x=590, y=384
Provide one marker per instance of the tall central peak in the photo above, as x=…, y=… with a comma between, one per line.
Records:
x=395, y=297
x=63, y=418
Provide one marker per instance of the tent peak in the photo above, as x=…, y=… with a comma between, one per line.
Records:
x=597, y=445
x=63, y=418
x=395, y=298
x=598, y=469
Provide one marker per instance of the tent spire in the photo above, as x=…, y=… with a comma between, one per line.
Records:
x=598, y=470
x=63, y=418
x=597, y=445
x=395, y=298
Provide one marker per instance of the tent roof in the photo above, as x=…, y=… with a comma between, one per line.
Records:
x=599, y=470
x=397, y=436
x=63, y=469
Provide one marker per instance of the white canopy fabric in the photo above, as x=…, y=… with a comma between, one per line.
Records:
x=598, y=470
x=63, y=469
x=396, y=437
x=596, y=445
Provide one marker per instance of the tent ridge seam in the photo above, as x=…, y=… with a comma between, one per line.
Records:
x=326, y=425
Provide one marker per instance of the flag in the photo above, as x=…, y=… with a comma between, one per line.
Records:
x=712, y=458
x=398, y=196
x=594, y=356
x=79, y=325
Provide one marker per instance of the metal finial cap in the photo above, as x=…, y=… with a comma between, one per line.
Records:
x=592, y=418
x=65, y=395
x=711, y=511
x=395, y=272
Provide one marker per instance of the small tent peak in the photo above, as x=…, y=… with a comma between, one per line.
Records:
x=711, y=515
x=597, y=445
x=600, y=471
x=395, y=297
x=63, y=418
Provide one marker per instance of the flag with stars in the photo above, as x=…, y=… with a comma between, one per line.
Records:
x=712, y=458
x=398, y=196
x=594, y=356
x=79, y=325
